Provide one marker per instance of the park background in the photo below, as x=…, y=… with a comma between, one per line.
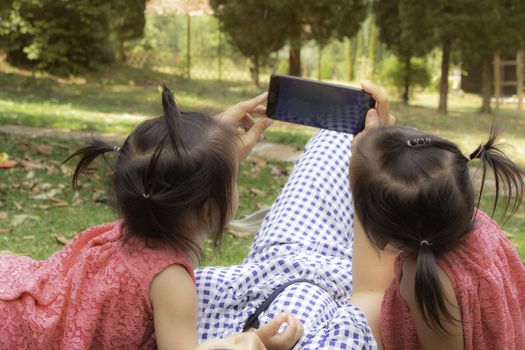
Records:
x=451, y=68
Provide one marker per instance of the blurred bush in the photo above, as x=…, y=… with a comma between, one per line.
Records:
x=68, y=37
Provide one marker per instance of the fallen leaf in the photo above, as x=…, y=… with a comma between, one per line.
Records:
x=239, y=234
x=20, y=219
x=77, y=202
x=30, y=174
x=27, y=238
x=61, y=239
x=278, y=171
x=60, y=204
x=43, y=206
x=18, y=206
x=32, y=164
x=3, y=215
x=43, y=149
x=257, y=192
x=67, y=170
x=47, y=195
x=4, y=231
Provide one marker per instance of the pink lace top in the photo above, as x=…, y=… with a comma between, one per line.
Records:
x=93, y=294
x=489, y=281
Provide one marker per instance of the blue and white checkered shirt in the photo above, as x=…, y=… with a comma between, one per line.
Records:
x=307, y=234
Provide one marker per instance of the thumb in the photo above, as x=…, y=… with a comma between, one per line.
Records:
x=272, y=327
x=372, y=119
x=252, y=136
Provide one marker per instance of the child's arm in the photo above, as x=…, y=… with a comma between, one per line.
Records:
x=372, y=273
x=174, y=298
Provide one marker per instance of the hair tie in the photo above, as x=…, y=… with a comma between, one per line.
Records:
x=116, y=149
x=419, y=142
x=425, y=243
x=476, y=153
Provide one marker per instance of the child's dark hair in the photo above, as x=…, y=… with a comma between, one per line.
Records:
x=413, y=190
x=170, y=168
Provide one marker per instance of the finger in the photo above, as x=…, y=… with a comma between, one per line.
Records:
x=271, y=328
x=372, y=119
x=254, y=102
x=252, y=136
x=259, y=110
x=291, y=330
x=383, y=103
x=247, y=122
x=299, y=330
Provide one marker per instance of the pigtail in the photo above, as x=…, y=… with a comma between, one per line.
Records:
x=172, y=116
x=429, y=293
x=508, y=176
x=87, y=155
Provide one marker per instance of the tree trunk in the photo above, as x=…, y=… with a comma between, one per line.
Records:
x=319, y=60
x=255, y=72
x=486, y=83
x=349, y=43
x=406, y=81
x=294, y=67
x=443, y=84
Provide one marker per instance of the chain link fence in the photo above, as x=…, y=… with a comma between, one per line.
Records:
x=194, y=47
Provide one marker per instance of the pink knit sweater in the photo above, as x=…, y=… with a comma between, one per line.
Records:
x=93, y=294
x=489, y=281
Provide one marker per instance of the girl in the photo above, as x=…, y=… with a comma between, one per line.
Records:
x=458, y=282
x=130, y=283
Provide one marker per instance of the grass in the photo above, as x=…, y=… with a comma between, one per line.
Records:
x=116, y=100
x=37, y=194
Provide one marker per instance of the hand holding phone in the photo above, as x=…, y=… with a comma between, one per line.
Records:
x=318, y=104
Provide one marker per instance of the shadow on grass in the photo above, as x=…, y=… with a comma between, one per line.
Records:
x=125, y=90
x=461, y=121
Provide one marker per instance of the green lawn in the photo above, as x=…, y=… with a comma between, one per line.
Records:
x=116, y=100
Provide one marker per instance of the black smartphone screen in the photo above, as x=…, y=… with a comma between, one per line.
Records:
x=317, y=104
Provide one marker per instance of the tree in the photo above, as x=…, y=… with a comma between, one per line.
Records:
x=453, y=24
x=128, y=21
x=403, y=28
x=320, y=20
x=253, y=27
x=68, y=36
x=496, y=26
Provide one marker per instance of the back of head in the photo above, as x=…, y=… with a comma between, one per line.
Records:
x=413, y=191
x=408, y=194
x=174, y=175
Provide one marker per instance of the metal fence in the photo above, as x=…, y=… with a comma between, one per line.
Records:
x=195, y=47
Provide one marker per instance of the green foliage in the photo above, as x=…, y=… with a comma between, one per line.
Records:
x=494, y=25
x=403, y=26
x=394, y=73
x=253, y=27
x=68, y=36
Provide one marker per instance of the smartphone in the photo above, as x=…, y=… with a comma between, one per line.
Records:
x=318, y=104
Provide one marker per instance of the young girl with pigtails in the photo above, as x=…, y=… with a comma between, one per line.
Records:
x=130, y=284
x=458, y=281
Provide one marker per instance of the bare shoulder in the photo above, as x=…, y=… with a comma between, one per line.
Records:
x=172, y=276
x=173, y=295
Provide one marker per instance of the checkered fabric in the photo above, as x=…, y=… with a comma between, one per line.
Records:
x=307, y=234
